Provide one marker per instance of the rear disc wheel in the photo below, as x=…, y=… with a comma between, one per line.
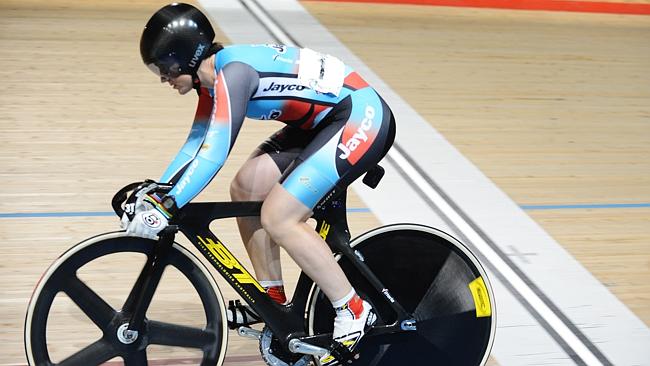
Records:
x=435, y=278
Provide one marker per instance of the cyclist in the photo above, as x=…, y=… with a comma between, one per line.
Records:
x=337, y=128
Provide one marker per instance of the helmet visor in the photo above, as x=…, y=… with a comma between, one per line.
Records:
x=165, y=71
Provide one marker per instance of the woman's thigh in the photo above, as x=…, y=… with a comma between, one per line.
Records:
x=360, y=131
x=257, y=176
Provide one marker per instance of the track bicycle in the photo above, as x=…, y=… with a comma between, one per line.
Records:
x=433, y=300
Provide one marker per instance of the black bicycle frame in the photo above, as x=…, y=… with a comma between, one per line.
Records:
x=285, y=321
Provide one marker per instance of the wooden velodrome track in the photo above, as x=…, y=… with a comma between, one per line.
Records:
x=555, y=110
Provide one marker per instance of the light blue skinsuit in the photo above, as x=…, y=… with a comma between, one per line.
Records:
x=342, y=133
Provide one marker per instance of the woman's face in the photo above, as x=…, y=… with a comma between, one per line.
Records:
x=182, y=83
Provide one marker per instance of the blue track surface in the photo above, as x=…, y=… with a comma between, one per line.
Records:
x=95, y=214
x=350, y=210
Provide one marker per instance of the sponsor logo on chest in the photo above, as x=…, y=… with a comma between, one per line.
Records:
x=283, y=87
x=280, y=87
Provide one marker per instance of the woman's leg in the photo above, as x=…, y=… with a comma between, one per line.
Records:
x=356, y=135
x=284, y=218
x=253, y=182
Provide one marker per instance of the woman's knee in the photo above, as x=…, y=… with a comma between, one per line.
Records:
x=240, y=188
x=274, y=224
x=254, y=179
x=282, y=213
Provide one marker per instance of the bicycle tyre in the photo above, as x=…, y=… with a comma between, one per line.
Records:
x=64, y=269
x=429, y=272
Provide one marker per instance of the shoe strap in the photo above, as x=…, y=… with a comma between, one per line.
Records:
x=248, y=316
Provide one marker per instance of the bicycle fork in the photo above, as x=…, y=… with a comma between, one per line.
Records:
x=142, y=293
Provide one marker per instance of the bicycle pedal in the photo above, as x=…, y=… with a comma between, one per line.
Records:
x=342, y=353
x=240, y=315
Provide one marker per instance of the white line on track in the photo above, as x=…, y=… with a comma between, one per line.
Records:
x=524, y=290
x=517, y=283
x=272, y=26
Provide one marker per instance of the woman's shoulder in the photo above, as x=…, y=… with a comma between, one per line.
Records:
x=259, y=56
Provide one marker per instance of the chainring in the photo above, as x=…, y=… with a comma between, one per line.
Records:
x=274, y=355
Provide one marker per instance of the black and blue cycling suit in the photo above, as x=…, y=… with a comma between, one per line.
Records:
x=331, y=137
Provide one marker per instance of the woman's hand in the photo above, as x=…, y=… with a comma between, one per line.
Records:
x=147, y=224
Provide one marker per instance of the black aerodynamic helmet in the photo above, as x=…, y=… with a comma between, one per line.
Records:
x=175, y=40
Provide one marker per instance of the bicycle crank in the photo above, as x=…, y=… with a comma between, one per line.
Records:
x=297, y=346
x=275, y=356
x=247, y=332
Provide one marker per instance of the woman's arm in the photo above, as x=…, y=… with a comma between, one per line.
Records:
x=194, y=140
x=234, y=85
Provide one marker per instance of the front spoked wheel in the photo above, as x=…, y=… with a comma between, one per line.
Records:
x=105, y=336
x=435, y=278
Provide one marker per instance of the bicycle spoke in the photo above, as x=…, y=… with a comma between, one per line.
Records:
x=95, y=354
x=89, y=302
x=137, y=287
x=136, y=359
x=144, y=286
x=178, y=335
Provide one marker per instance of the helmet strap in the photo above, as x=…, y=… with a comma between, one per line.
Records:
x=213, y=49
x=196, y=83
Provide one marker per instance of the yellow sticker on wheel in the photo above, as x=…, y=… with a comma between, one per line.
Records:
x=481, y=298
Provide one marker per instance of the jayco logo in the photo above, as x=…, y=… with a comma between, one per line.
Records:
x=282, y=87
x=187, y=178
x=197, y=54
x=360, y=136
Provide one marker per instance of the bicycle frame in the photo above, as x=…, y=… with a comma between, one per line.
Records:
x=285, y=321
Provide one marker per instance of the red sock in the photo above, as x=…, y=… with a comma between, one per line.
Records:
x=349, y=306
x=356, y=306
x=277, y=294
